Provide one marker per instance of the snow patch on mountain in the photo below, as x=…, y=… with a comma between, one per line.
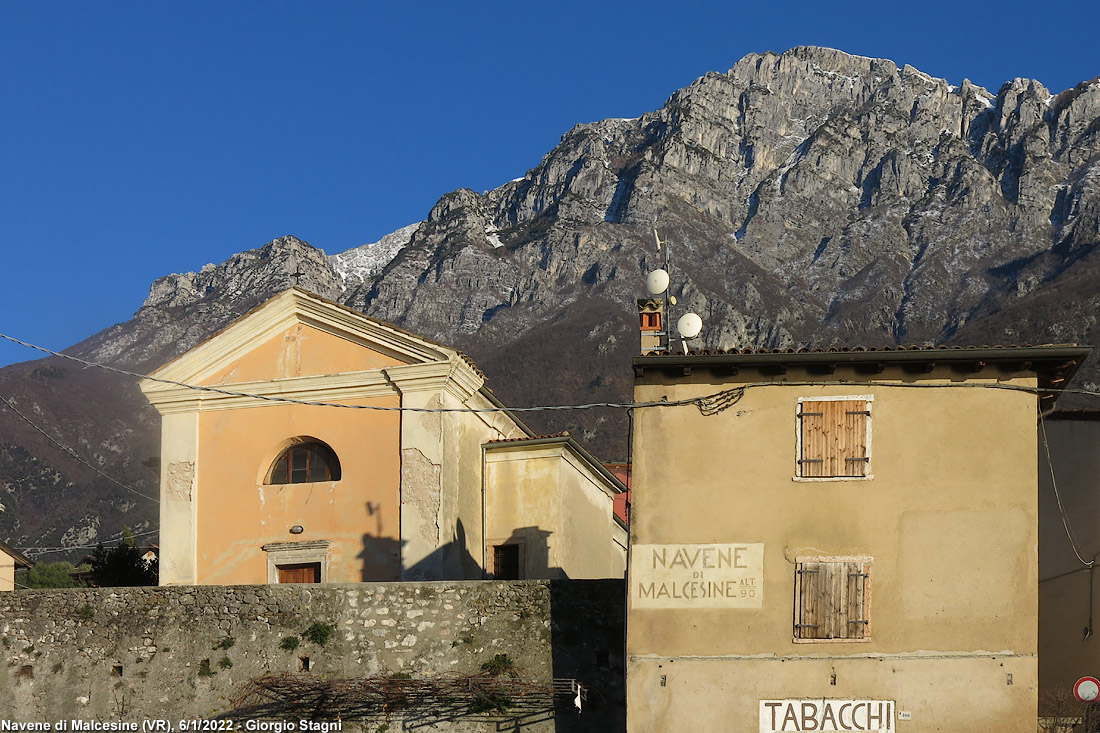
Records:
x=365, y=261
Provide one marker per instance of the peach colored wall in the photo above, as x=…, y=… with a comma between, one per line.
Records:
x=299, y=351
x=238, y=514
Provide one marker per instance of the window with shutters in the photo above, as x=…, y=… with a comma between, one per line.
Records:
x=832, y=599
x=834, y=438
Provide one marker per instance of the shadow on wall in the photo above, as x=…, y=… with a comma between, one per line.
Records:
x=524, y=555
x=588, y=644
x=380, y=558
x=450, y=561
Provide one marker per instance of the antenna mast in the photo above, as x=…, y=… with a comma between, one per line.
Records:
x=655, y=313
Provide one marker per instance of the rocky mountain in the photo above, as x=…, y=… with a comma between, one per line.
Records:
x=810, y=198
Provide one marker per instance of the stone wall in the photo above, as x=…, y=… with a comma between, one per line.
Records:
x=137, y=654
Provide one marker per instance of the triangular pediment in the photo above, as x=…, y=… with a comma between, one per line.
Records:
x=299, y=334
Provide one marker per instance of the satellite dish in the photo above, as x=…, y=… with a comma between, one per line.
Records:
x=656, y=282
x=658, y=238
x=672, y=299
x=689, y=325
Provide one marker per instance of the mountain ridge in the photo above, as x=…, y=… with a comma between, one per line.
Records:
x=809, y=198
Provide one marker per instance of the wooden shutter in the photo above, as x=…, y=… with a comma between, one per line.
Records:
x=815, y=450
x=857, y=621
x=832, y=600
x=834, y=438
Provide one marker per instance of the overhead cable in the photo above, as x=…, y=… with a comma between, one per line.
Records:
x=1058, y=497
x=48, y=550
x=72, y=452
x=706, y=404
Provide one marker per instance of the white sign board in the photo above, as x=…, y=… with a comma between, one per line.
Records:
x=697, y=576
x=875, y=716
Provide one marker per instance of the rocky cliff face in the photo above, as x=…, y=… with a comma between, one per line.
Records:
x=810, y=198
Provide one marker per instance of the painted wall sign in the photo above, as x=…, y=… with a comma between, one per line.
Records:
x=697, y=576
x=873, y=716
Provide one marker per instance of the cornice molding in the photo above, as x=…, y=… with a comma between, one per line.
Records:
x=557, y=447
x=343, y=387
x=455, y=377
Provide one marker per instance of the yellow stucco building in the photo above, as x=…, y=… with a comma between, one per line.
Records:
x=408, y=478
x=839, y=540
x=10, y=561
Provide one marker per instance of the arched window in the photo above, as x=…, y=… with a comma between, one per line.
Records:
x=305, y=462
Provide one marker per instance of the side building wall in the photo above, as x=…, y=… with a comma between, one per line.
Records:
x=541, y=496
x=133, y=654
x=939, y=543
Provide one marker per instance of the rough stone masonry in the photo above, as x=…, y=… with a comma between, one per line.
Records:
x=182, y=653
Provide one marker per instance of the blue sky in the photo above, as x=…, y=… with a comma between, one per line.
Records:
x=145, y=138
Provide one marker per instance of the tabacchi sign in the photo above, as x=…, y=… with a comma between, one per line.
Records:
x=870, y=716
x=697, y=576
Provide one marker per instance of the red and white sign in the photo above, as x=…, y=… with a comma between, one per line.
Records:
x=1087, y=689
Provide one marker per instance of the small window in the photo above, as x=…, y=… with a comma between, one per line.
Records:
x=506, y=562
x=832, y=600
x=834, y=438
x=304, y=463
x=651, y=321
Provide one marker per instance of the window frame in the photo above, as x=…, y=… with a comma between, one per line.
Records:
x=521, y=558
x=868, y=401
x=306, y=552
x=863, y=564
x=312, y=447
x=284, y=568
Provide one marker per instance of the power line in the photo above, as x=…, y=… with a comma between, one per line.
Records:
x=276, y=398
x=72, y=452
x=1058, y=497
x=47, y=550
x=704, y=403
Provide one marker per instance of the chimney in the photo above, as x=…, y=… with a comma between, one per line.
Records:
x=652, y=324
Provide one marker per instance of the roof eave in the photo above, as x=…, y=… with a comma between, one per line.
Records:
x=1053, y=364
x=20, y=559
x=794, y=358
x=616, y=483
